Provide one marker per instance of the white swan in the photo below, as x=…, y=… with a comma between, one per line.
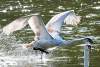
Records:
x=46, y=36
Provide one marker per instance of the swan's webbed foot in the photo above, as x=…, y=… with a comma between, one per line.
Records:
x=42, y=50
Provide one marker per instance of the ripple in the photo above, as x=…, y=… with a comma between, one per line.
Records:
x=4, y=11
x=61, y=7
x=97, y=7
x=97, y=22
x=91, y=15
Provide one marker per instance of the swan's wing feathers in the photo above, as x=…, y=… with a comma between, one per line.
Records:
x=15, y=25
x=36, y=24
x=72, y=19
x=55, y=23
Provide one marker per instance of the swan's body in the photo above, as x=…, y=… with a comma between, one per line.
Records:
x=46, y=36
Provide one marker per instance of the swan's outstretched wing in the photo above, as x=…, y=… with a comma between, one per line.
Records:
x=15, y=25
x=38, y=27
x=55, y=23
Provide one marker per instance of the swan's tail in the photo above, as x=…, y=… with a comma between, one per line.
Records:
x=15, y=25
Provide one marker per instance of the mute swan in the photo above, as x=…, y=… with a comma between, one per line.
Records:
x=46, y=36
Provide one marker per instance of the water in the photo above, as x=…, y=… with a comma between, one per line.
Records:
x=12, y=55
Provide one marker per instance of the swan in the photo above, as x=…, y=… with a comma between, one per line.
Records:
x=47, y=36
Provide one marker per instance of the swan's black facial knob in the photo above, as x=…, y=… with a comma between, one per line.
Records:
x=89, y=40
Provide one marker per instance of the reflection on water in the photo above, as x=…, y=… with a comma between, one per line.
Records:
x=13, y=55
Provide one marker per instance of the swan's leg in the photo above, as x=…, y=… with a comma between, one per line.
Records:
x=35, y=48
x=41, y=54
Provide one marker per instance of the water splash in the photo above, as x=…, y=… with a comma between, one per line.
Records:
x=6, y=42
x=12, y=53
